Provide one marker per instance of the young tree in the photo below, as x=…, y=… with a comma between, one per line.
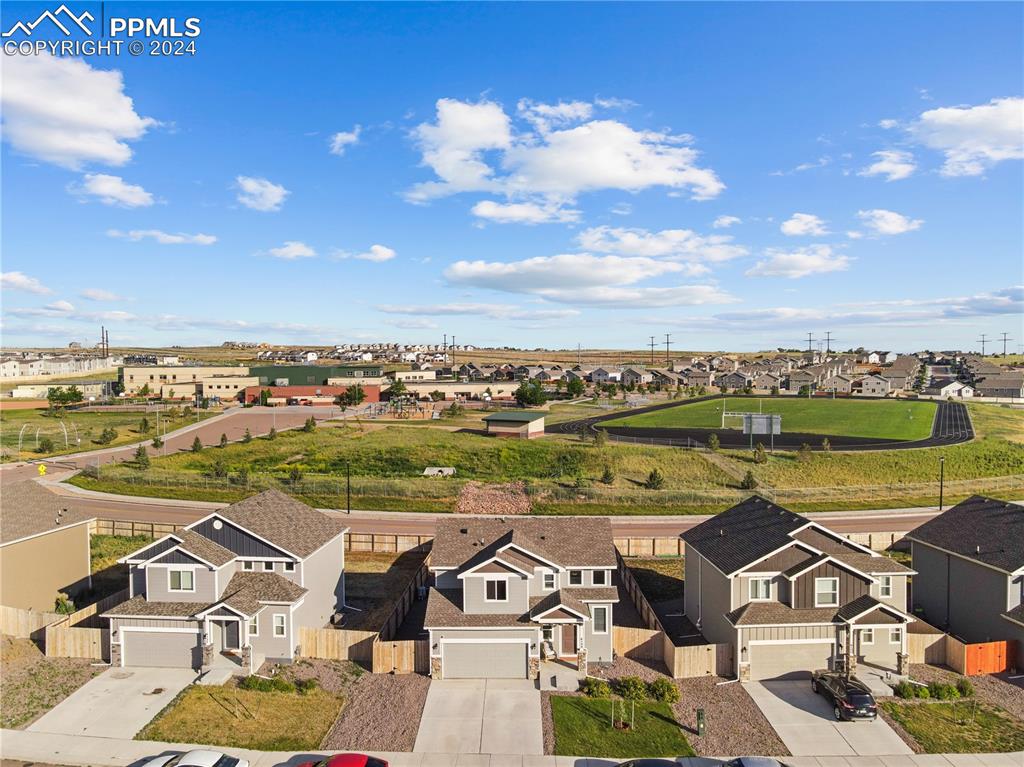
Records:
x=775, y=391
x=804, y=453
x=264, y=396
x=714, y=443
x=272, y=434
x=73, y=394
x=398, y=388
x=749, y=481
x=141, y=457
x=158, y=442
x=600, y=438
x=655, y=480
x=575, y=387
x=295, y=474
x=45, y=445
x=144, y=425
x=530, y=394
x=826, y=446
x=145, y=391
x=608, y=477
x=197, y=445
x=219, y=467
x=223, y=440
x=247, y=437
x=760, y=454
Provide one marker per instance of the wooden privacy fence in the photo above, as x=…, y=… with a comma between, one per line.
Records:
x=637, y=643
x=927, y=646
x=700, y=660
x=25, y=624
x=386, y=543
x=406, y=656
x=405, y=602
x=128, y=527
x=337, y=644
x=986, y=658
x=82, y=633
x=675, y=547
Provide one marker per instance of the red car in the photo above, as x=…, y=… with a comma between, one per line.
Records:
x=347, y=760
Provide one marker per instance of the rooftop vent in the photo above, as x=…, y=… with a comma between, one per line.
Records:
x=464, y=530
x=721, y=532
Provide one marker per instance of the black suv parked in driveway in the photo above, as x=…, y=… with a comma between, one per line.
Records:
x=851, y=698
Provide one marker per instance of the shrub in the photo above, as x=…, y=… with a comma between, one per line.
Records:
x=826, y=446
x=600, y=438
x=158, y=442
x=608, y=477
x=45, y=445
x=309, y=425
x=219, y=468
x=295, y=475
x=223, y=440
x=941, y=691
x=272, y=434
x=631, y=688
x=107, y=436
x=749, y=481
x=247, y=437
x=804, y=453
x=965, y=687
x=922, y=692
x=265, y=684
x=305, y=686
x=596, y=688
x=905, y=689
x=63, y=604
x=760, y=454
x=655, y=480
x=197, y=445
x=714, y=442
x=664, y=690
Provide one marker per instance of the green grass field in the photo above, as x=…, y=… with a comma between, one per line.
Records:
x=882, y=419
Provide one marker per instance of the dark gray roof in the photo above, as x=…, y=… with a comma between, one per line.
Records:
x=566, y=541
x=515, y=416
x=27, y=508
x=776, y=613
x=872, y=564
x=1016, y=614
x=284, y=521
x=743, y=534
x=984, y=529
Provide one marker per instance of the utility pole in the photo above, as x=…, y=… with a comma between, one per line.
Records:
x=453, y=356
x=983, y=341
x=668, y=340
x=445, y=348
x=579, y=359
x=1005, y=339
x=810, y=344
x=828, y=342
x=652, y=351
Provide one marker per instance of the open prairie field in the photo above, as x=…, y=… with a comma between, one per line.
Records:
x=881, y=419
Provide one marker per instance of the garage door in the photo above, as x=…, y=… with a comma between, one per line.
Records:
x=788, y=661
x=165, y=649
x=483, y=660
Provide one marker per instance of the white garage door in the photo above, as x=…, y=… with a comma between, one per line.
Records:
x=484, y=660
x=788, y=661
x=163, y=649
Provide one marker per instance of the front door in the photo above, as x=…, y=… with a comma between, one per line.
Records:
x=568, y=639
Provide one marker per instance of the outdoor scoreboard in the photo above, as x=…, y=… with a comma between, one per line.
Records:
x=758, y=423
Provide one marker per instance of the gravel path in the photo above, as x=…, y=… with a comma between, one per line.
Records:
x=995, y=689
x=724, y=707
x=382, y=713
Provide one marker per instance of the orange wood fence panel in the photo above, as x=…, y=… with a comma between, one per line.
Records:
x=988, y=657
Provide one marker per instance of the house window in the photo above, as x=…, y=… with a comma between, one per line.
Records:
x=248, y=564
x=600, y=577
x=896, y=636
x=826, y=592
x=254, y=626
x=289, y=567
x=280, y=629
x=268, y=566
x=548, y=633
x=600, y=620
x=885, y=586
x=575, y=577
x=496, y=590
x=759, y=589
x=181, y=580
x=549, y=581
x=867, y=636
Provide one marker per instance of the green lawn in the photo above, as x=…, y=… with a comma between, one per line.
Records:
x=882, y=419
x=659, y=578
x=583, y=728
x=958, y=728
x=229, y=716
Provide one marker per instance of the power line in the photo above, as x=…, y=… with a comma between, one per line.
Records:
x=1005, y=339
x=983, y=341
x=828, y=341
x=652, y=351
x=667, y=342
x=810, y=343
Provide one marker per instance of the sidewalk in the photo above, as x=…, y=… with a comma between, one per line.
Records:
x=84, y=751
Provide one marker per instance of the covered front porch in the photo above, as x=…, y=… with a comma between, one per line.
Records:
x=226, y=645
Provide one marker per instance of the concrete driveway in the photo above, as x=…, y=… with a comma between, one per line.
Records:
x=116, y=704
x=805, y=723
x=481, y=716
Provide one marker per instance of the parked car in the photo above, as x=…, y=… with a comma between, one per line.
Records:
x=754, y=761
x=851, y=698
x=347, y=760
x=200, y=757
x=649, y=763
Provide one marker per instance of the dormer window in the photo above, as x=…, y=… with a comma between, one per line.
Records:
x=826, y=592
x=760, y=589
x=496, y=590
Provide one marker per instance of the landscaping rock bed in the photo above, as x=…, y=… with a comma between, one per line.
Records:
x=382, y=713
x=501, y=499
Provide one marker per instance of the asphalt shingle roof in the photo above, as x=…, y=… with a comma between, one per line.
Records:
x=246, y=592
x=984, y=529
x=138, y=606
x=778, y=614
x=1016, y=614
x=204, y=548
x=27, y=508
x=284, y=521
x=444, y=610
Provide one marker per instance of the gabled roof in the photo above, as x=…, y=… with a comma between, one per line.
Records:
x=284, y=522
x=983, y=529
x=247, y=592
x=514, y=416
x=559, y=600
x=29, y=509
x=1016, y=614
x=866, y=605
x=205, y=549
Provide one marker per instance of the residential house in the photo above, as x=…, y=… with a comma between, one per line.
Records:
x=605, y=375
x=231, y=589
x=768, y=381
x=528, y=372
x=736, y=380
x=1001, y=386
x=898, y=380
x=634, y=376
x=511, y=593
x=838, y=384
x=578, y=374
x=800, y=378
x=666, y=378
x=970, y=565
x=950, y=387
x=44, y=547
x=791, y=596
x=701, y=378
x=874, y=386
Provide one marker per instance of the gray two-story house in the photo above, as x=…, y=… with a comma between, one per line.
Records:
x=511, y=593
x=231, y=589
x=971, y=565
x=791, y=596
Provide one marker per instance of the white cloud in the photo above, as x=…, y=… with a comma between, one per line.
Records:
x=973, y=138
x=489, y=310
x=292, y=250
x=341, y=140
x=678, y=244
x=112, y=190
x=888, y=124
x=855, y=235
x=62, y=111
x=888, y=222
x=21, y=281
x=894, y=164
x=474, y=147
x=163, y=238
x=621, y=209
x=260, y=194
x=801, y=262
x=412, y=324
x=524, y=212
x=724, y=222
x=375, y=253
x=802, y=225
x=99, y=294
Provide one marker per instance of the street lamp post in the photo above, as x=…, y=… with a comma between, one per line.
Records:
x=942, y=478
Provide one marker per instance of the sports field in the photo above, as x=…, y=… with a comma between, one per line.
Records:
x=880, y=419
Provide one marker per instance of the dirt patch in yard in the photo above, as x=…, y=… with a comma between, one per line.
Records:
x=335, y=676
x=994, y=689
x=382, y=713
x=31, y=684
x=374, y=583
x=724, y=705
x=501, y=499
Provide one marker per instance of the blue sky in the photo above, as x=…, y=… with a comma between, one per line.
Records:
x=737, y=175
